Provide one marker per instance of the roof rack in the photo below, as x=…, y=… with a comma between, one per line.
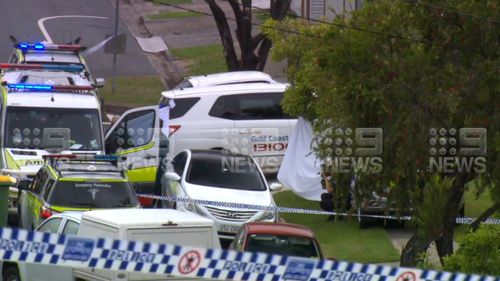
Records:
x=48, y=88
x=24, y=46
x=67, y=67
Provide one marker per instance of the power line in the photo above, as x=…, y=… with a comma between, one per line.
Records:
x=338, y=25
x=360, y=29
x=440, y=8
x=253, y=24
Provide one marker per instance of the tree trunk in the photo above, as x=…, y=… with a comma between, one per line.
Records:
x=444, y=243
x=248, y=60
x=411, y=251
x=484, y=216
x=225, y=35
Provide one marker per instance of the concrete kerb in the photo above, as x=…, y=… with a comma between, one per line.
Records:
x=161, y=62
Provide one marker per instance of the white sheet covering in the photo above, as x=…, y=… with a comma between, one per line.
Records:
x=300, y=168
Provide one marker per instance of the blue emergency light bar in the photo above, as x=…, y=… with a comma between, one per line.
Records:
x=50, y=88
x=111, y=158
x=47, y=46
x=34, y=87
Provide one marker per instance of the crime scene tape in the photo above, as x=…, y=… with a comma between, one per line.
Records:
x=459, y=220
x=178, y=261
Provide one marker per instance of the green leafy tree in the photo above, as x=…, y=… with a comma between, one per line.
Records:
x=405, y=67
x=479, y=252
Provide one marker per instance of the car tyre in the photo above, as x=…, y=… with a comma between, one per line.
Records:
x=11, y=274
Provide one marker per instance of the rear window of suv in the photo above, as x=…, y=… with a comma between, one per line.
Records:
x=92, y=195
x=182, y=106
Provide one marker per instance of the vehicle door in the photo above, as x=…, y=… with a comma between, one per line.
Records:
x=262, y=128
x=30, y=201
x=136, y=135
x=42, y=272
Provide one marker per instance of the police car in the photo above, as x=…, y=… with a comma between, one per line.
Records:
x=56, y=55
x=74, y=183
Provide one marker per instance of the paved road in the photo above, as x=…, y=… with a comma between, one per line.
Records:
x=19, y=18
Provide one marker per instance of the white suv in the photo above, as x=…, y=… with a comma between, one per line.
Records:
x=226, y=78
x=243, y=118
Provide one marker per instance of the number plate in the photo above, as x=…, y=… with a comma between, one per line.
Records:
x=229, y=228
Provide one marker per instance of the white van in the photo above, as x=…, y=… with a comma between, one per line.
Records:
x=150, y=225
x=164, y=226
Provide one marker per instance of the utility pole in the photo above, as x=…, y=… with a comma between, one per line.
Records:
x=117, y=15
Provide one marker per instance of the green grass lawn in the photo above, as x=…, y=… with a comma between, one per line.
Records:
x=203, y=59
x=133, y=91
x=475, y=207
x=173, y=15
x=261, y=15
x=342, y=240
x=171, y=2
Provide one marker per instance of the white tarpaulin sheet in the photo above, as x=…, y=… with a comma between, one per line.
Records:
x=300, y=168
x=153, y=44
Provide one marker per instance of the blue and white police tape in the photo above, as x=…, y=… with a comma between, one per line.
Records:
x=215, y=264
x=234, y=205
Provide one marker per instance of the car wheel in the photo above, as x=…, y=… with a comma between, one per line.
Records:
x=11, y=274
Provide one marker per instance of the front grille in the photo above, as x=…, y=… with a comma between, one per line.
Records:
x=229, y=215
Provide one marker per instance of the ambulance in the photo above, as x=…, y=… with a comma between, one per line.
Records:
x=45, y=118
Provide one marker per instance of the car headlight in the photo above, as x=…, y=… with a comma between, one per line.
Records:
x=268, y=215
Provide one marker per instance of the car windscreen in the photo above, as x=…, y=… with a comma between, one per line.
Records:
x=33, y=127
x=283, y=245
x=92, y=195
x=225, y=171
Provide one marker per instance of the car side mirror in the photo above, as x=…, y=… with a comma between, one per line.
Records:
x=23, y=184
x=100, y=82
x=276, y=186
x=172, y=176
